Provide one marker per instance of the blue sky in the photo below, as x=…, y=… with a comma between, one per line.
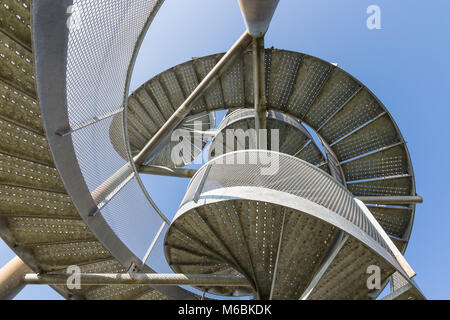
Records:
x=406, y=64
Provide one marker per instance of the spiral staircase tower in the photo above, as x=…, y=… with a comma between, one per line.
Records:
x=74, y=144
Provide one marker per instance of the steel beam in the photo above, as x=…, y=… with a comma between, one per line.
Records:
x=166, y=171
x=259, y=89
x=87, y=123
x=275, y=271
x=325, y=265
x=140, y=278
x=391, y=199
x=11, y=278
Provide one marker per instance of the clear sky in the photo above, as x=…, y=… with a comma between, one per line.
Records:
x=406, y=64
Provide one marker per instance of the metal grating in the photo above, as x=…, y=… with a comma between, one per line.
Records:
x=336, y=91
x=311, y=78
x=394, y=220
x=385, y=163
x=362, y=108
x=32, y=202
x=23, y=143
x=284, y=69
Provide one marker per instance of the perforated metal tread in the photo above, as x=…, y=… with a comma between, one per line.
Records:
x=37, y=217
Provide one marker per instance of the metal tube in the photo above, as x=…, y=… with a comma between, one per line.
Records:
x=395, y=251
x=159, y=137
x=140, y=278
x=237, y=49
x=165, y=171
x=259, y=82
x=392, y=199
x=11, y=278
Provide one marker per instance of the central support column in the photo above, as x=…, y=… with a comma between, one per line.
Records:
x=258, y=15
